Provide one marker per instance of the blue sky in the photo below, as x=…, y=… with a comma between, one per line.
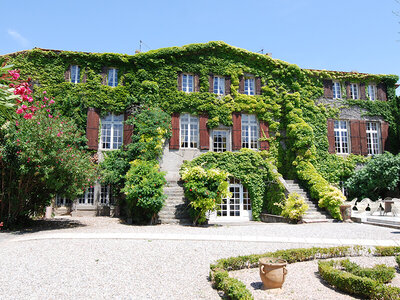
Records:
x=318, y=34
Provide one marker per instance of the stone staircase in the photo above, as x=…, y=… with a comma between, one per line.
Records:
x=175, y=210
x=314, y=214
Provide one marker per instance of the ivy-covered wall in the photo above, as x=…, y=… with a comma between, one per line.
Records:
x=289, y=99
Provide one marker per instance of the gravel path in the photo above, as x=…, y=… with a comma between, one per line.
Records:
x=303, y=281
x=138, y=269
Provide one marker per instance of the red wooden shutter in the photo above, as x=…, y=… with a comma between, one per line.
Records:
x=84, y=77
x=211, y=83
x=362, y=91
x=204, y=133
x=264, y=133
x=384, y=135
x=180, y=81
x=348, y=90
x=258, y=86
x=355, y=137
x=67, y=75
x=331, y=136
x=128, y=130
x=196, y=83
x=363, y=137
x=237, y=131
x=92, y=128
x=328, y=92
x=241, y=85
x=227, y=85
x=174, y=141
x=381, y=93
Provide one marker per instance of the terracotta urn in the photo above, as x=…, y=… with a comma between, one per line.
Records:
x=272, y=272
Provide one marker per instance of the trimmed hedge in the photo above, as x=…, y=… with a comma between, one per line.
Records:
x=356, y=285
x=379, y=273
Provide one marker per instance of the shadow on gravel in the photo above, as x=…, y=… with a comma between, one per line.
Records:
x=258, y=285
x=44, y=225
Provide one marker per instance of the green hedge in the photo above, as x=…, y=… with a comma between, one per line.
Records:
x=380, y=273
x=356, y=285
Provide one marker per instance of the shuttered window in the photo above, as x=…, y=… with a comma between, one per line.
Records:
x=372, y=92
x=372, y=138
x=341, y=137
x=189, y=132
x=249, y=86
x=111, y=132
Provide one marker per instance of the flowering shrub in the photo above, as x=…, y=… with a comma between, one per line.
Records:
x=294, y=207
x=204, y=189
x=40, y=155
x=144, y=190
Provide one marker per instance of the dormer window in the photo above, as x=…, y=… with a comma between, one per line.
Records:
x=336, y=90
x=354, y=92
x=187, y=83
x=75, y=74
x=372, y=92
x=112, y=77
x=249, y=86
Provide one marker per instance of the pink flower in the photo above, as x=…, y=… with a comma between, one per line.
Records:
x=48, y=110
x=50, y=116
x=45, y=98
x=51, y=101
x=44, y=92
x=30, y=99
x=38, y=123
x=24, y=106
x=14, y=74
x=59, y=134
x=28, y=116
x=20, y=111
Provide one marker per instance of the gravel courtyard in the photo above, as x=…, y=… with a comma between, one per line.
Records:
x=101, y=258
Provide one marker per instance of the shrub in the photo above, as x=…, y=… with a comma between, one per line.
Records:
x=294, y=207
x=387, y=250
x=233, y=288
x=398, y=260
x=144, y=191
x=204, y=189
x=379, y=175
x=380, y=273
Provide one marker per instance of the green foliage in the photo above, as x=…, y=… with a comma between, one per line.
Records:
x=398, y=260
x=379, y=273
x=387, y=250
x=254, y=172
x=354, y=284
x=294, y=207
x=40, y=157
x=205, y=189
x=7, y=97
x=379, y=175
x=233, y=288
x=144, y=190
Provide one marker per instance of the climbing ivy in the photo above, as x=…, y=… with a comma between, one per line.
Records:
x=289, y=99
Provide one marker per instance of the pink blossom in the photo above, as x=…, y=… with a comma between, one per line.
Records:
x=30, y=99
x=59, y=134
x=24, y=106
x=38, y=123
x=28, y=116
x=14, y=74
x=45, y=98
x=48, y=110
x=51, y=101
x=44, y=92
x=20, y=111
x=50, y=116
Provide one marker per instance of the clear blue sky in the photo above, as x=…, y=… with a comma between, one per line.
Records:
x=319, y=34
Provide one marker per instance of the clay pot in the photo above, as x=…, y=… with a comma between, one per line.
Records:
x=272, y=272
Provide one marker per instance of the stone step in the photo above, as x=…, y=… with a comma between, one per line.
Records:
x=173, y=221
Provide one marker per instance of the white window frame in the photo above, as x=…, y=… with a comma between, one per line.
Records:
x=217, y=146
x=336, y=90
x=188, y=131
x=219, y=85
x=62, y=201
x=105, y=195
x=372, y=92
x=250, y=130
x=373, y=138
x=187, y=83
x=87, y=198
x=114, y=130
x=249, y=86
x=75, y=74
x=112, y=77
x=341, y=134
x=354, y=91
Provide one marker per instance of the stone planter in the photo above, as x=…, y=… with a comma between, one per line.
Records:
x=345, y=211
x=272, y=272
x=49, y=212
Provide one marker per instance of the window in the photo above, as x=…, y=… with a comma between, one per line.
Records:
x=249, y=86
x=249, y=132
x=187, y=83
x=112, y=77
x=372, y=92
x=336, y=89
x=75, y=74
x=189, y=131
x=341, y=137
x=220, y=140
x=105, y=195
x=372, y=138
x=87, y=197
x=354, y=91
x=111, y=131
x=219, y=85
x=238, y=205
x=62, y=200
